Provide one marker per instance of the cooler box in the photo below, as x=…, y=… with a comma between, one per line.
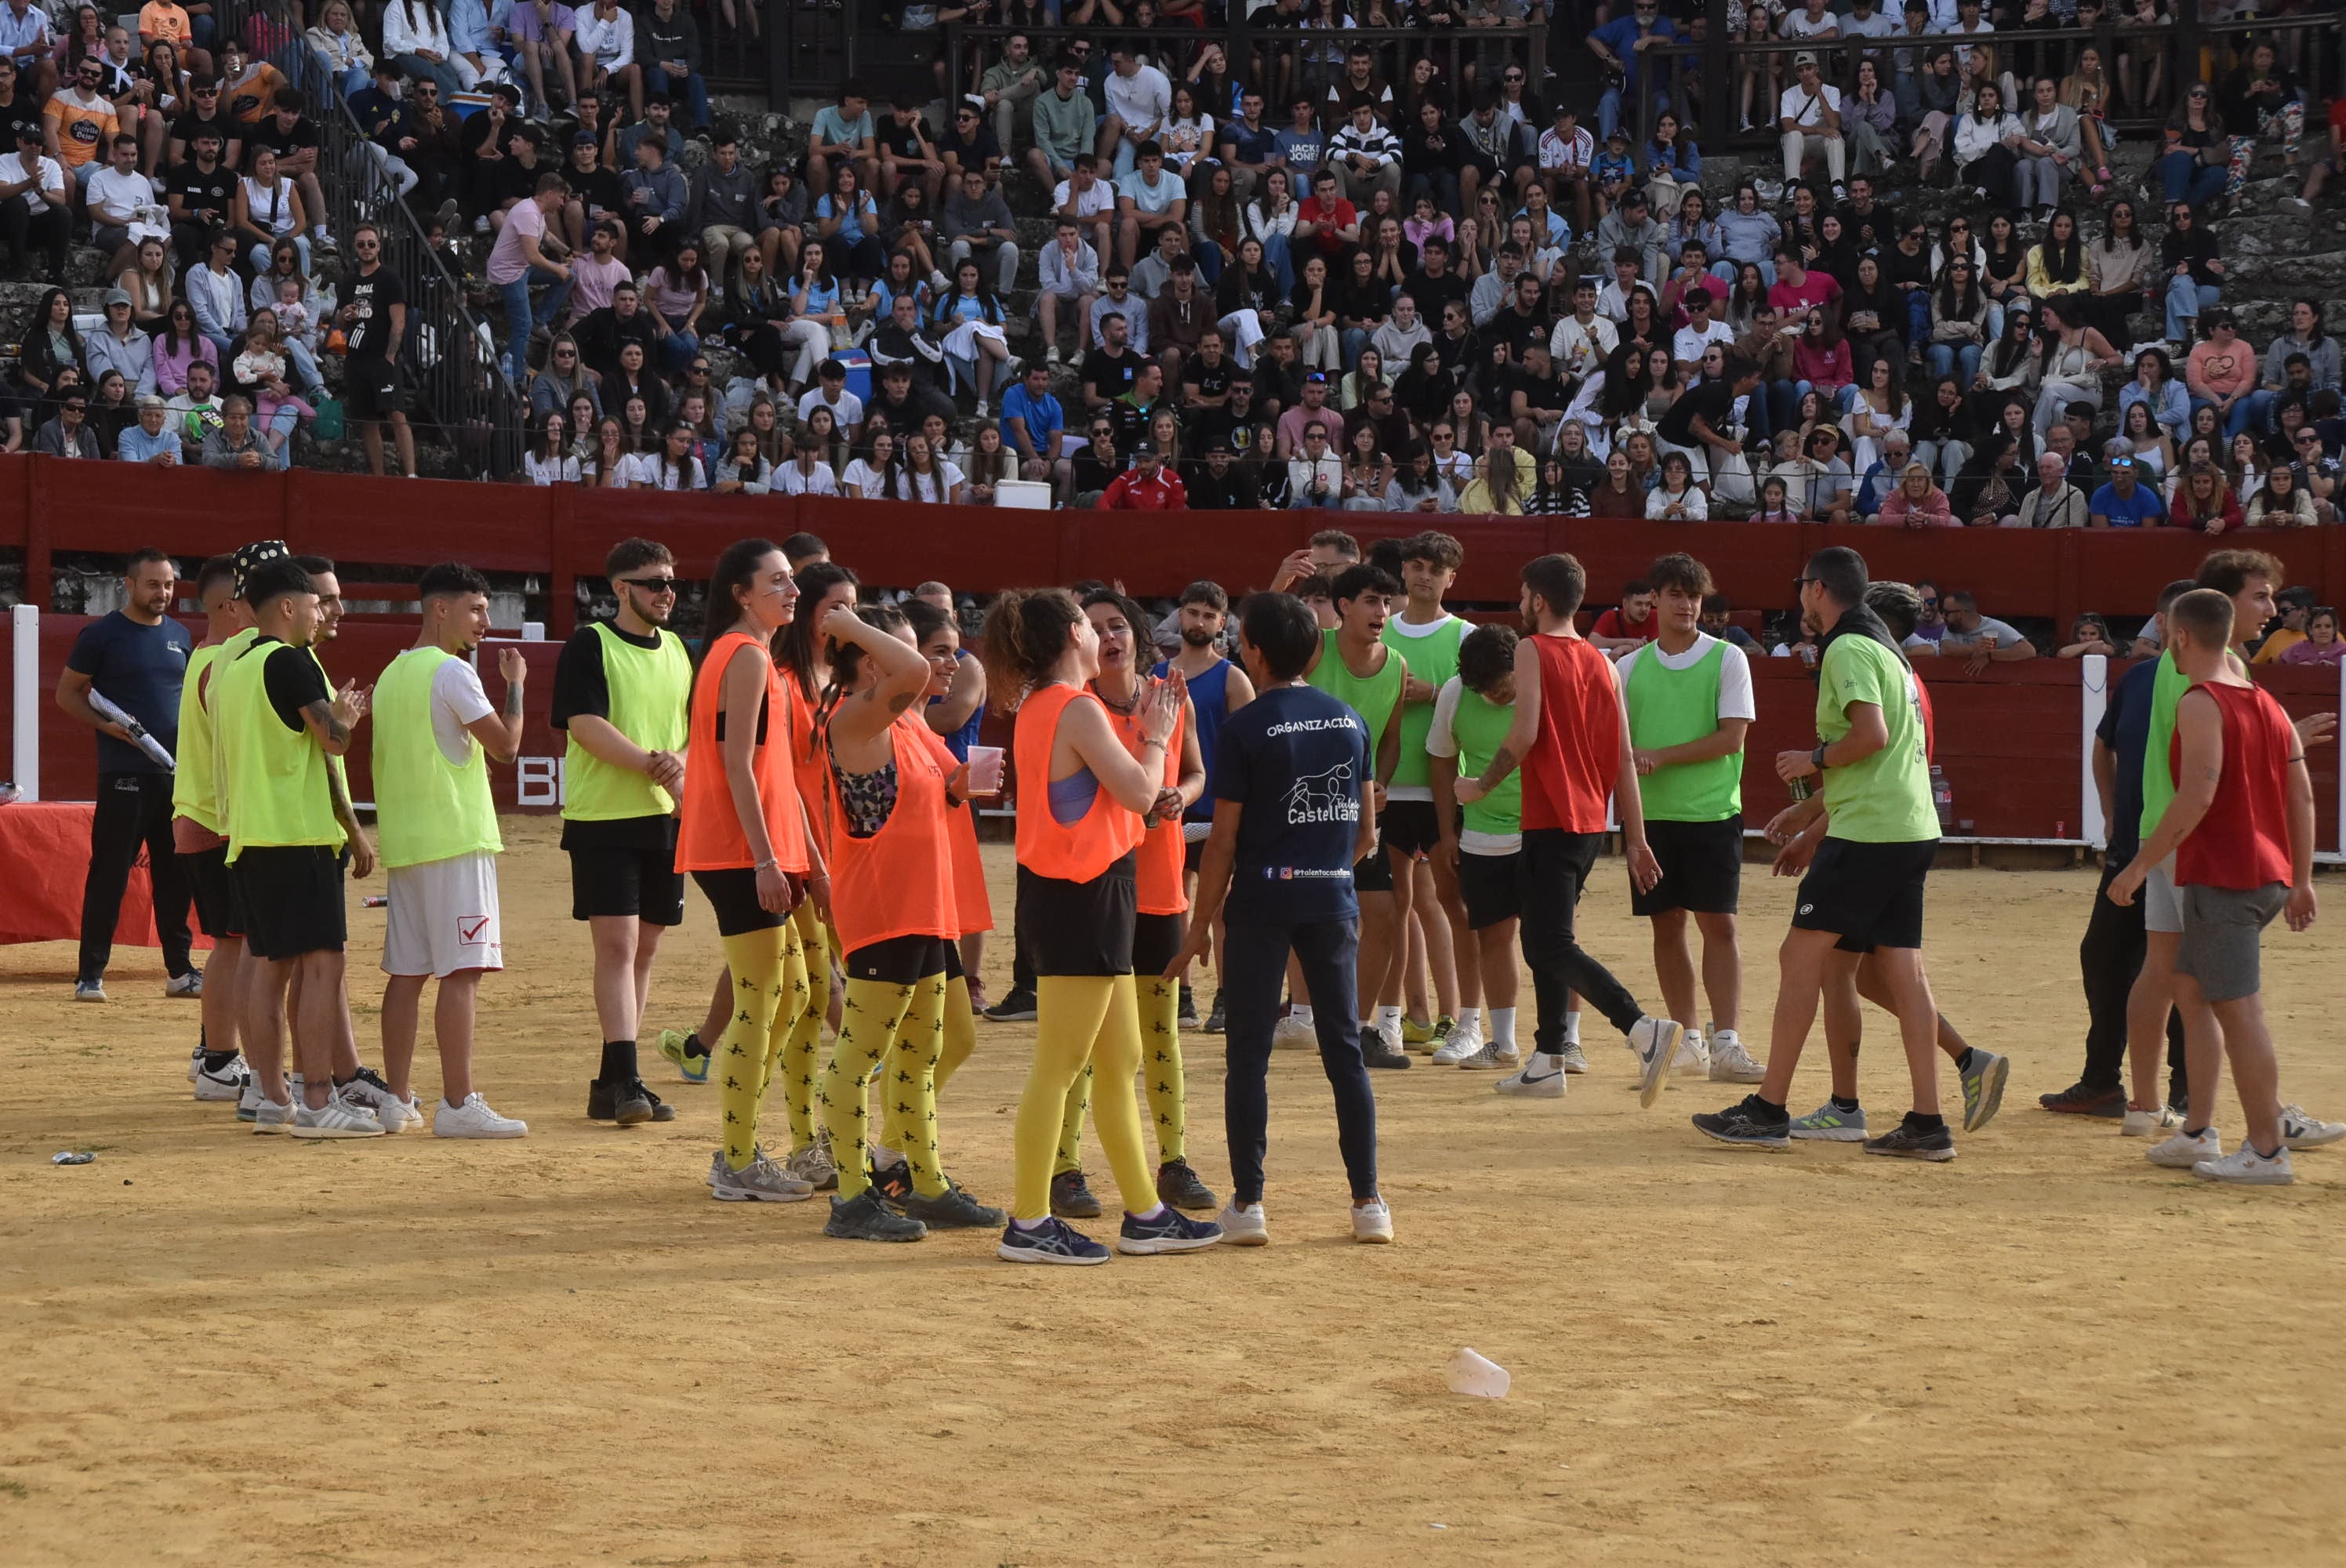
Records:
x=1027, y=495
x=859, y=371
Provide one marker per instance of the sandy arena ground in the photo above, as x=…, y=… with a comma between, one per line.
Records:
x=559, y=1351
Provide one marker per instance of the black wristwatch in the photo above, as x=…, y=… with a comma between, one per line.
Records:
x=1818, y=757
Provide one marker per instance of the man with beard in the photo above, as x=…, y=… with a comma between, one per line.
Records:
x=1217, y=688
x=621, y=691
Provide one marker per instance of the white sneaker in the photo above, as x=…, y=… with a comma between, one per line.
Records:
x=190, y=984
x=223, y=1083
x=368, y=1089
x=1051, y=357
x=272, y=1115
x=2182, y=1151
x=1243, y=1225
x=2300, y=1131
x=1293, y=1033
x=2142, y=1124
x=1373, y=1223
x=2246, y=1167
x=1540, y=1079
x=195, y=1060
x=1464, y=1041
x=337, y=1118
x=474, y=1119
x=1654, y=1039
x=1730, y=1062
x=1692, y=1058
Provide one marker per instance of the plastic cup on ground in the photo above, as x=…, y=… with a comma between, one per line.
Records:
x=1474, y=1374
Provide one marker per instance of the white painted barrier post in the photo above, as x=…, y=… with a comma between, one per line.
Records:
x=2094, y=700
x=25, y=630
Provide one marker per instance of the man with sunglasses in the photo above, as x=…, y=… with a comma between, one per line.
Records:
x=621, y=690
x=36, y=205
x=79, y=121
x=374, y=317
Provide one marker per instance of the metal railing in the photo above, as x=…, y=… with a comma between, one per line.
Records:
x=449, y=360
x=2134, y=60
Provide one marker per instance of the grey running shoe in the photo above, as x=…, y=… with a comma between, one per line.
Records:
x=1830, y=1125
x=1574, y=1061
x=1071, y=1199
x=759, y=1181
x=1908, y=1142
x=812, y=1164
x=866, y=1218
x=337, y=1118
x=952, y=1209
x=272, y=1115
x=1983, y=1088
x=1746, y=1122
x=1177, y=1184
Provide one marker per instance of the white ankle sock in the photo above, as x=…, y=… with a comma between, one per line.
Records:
x=1502, y=1025
x=1300, y=1012
x=1572, y=1027
x=1388, y=1019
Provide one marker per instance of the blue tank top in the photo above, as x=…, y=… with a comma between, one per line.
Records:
x=1209, y=695
x=1072, y=797
x=961, y=739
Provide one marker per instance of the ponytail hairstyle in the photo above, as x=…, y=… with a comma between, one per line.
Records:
x=798, y=650
x=926, y=620
x=1026, y=631
x=734, y=569
x=847, y=668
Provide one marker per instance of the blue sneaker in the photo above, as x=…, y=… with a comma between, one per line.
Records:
x=1170, y=1231
x=1053, y=1241
x=1742, y=1122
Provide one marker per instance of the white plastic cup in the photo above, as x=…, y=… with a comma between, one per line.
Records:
x=985, y=770
x=1474, y=1374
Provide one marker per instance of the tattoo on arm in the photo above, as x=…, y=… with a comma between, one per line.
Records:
x=320, y=713
x=1503, y=763
x=513, y=702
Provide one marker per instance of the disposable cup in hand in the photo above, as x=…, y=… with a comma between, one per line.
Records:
x=1472, y=1373
x=985, y=770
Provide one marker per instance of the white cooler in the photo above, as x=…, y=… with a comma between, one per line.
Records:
x=1032, y=494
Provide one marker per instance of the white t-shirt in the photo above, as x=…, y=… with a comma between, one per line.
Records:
x=1735, y=696
x=862, y=479
x=110, y=186
x=1799, y=24
x=1688, y=346
x=1441, y=740
x=1142, y=98
x=1099, y=198
x=792, y=481
x=43, y=172
x=1806, y=112
x=847, y=411
x=458, y=702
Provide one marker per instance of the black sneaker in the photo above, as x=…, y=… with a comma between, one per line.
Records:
x=617, y=1100
x=661, y=1110
x=1177, y=1184
x=1170, y=1231
x=952, y=1209
x=1189, y=1019
x=2080, y=1100
x=1908, y=1142
x=1016, y=1006
x=1378, y=1051
x=1215, y=1018
x=864, y=1217
x=1747, y=1122
x=894, y=1182
x=1071, y=1199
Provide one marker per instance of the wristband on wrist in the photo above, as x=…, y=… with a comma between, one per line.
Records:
x=1818, y=757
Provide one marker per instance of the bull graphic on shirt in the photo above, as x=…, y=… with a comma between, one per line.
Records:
x=1328, y=797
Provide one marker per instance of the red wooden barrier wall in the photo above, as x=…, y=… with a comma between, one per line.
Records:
x=43, y=509
x=2009, y=740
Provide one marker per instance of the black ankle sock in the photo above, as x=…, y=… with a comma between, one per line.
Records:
x=215, y=1060
x=619, y=1062
x=1923, y=1124
x=1768, y=1110
x=1847, y=1106
x=1963, y=1062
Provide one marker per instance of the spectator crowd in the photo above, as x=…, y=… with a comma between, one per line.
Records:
x=1356, y=275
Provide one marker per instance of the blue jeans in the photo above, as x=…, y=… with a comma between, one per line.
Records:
x=1209, y=261
x=1282, y=266
x=1353, y=340
x=520, y=321
x=1725, y=272
x=2259, y=406
x=440, y=71
x=1609, y=111
x=1942, y=358
x=1329, y=954
x=1842, y=401
x=2235, y=421
x=2184, y=301
x=1783, y=404
x=2185, y=178
x=355, y=79
x=675, y=350
x=695, y=93
x=1917, y=316
x=1441, y=185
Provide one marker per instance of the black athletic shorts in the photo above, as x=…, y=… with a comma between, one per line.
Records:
x=1373, y=875
x=371, y=389
x=1702, y=866
x=733, y=894
x=218, y=907
x=1156, y=939
x=901, y=960
x=1487, y=883
x=1869, y=895
x=1078, y=928
x=642, y=883
x=1410, y=826
x=291, y=897
x=1193, y=855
